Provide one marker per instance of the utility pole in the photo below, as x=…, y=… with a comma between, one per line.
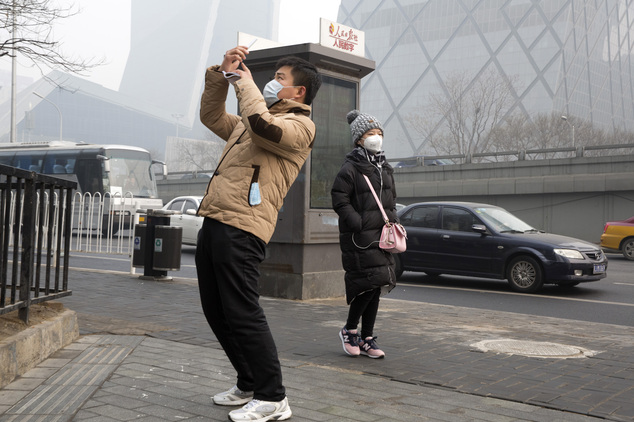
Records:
x=13, y=79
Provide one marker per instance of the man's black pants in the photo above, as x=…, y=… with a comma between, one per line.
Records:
x=227, y=262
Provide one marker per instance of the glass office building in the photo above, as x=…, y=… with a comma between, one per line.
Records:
x=569, y=57
x=171, y=45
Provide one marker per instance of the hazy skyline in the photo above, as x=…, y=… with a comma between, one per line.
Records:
x=90, y=34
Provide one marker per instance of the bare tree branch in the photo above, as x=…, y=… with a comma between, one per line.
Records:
x=468, y=109
x=26, y=30
x=194, y=155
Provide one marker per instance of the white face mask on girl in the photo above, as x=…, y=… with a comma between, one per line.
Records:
x=373, y=143
x=271, y=90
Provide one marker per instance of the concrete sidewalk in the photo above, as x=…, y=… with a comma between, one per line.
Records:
x=147, y=354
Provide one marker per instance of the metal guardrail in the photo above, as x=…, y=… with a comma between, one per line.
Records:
x=515, y=155
x=35, y=231
x=103, y=223
x=521, y=155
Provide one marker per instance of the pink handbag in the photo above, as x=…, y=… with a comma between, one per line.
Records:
x=393, y=236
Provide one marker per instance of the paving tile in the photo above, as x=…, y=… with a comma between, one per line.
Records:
x=175, y=364
x=25, y=384
x=10, y=396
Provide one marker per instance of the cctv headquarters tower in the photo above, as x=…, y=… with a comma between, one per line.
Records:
x=570, y=57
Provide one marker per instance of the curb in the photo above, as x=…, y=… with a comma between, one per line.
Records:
x=25, y=350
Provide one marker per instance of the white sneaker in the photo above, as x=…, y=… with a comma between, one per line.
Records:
x=233, y=397
x=261, y=411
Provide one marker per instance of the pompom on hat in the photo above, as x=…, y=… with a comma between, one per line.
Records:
x=360, y=123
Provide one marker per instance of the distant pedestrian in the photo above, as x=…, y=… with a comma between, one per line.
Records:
x=267, y=144
x=369, y=270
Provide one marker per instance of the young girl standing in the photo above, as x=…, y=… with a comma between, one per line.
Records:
x=369, y=270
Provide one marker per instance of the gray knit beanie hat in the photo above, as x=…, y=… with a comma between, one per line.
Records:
x=360, y=123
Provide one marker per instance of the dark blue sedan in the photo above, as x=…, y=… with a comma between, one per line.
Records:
x=481, y=240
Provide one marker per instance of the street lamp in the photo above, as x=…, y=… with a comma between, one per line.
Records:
x=565, y=119
x=58, y=110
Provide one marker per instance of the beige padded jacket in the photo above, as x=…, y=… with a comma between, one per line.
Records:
x=268, y=146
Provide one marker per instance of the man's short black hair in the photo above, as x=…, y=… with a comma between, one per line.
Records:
x=304, y=74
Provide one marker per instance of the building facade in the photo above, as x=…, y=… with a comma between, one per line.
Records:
x=159, y=96
x=171, y=46
x=569, y=57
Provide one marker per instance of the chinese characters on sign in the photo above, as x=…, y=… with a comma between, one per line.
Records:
x=344, y=38
x=340, y=37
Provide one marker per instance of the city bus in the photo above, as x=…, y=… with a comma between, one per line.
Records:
x=117, y=178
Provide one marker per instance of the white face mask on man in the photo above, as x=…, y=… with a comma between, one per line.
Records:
x=271, y=91
x=373, y=144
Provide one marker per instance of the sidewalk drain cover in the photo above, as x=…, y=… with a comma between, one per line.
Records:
x=534, y=349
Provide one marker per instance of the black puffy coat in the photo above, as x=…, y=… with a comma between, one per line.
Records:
x=360, y=222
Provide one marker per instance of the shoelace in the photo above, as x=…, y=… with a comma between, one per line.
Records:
x=253, y=403
x=371, y=343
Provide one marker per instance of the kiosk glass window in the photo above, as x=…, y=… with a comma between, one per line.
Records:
x=335, y=99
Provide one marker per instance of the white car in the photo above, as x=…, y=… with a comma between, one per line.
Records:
x=187, y=219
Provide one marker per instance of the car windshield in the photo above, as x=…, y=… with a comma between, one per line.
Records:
x=502, y=220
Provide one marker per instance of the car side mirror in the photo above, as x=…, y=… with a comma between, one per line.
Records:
x=479, y=228
x=190, y=212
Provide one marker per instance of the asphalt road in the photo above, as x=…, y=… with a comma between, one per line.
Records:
x=609, y=301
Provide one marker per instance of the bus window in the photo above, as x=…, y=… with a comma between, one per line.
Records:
x=7, y=160
x=29, y=160
x=59, y=163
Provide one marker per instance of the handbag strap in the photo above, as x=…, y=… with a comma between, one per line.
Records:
x=377, y=199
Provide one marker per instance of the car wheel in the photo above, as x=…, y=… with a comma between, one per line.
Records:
x=432, y=273
x=398, y=268
x=628, y=248
x=524, y=274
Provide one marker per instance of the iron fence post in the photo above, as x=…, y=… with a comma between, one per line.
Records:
x=28, y=231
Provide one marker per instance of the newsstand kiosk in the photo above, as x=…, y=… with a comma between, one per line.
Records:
x=303, y=259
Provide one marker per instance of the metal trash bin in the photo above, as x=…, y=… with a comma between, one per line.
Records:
x=167, y=248
x=138, y=253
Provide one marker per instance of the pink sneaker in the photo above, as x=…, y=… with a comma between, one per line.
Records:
x=371, y=349
x=350, y=342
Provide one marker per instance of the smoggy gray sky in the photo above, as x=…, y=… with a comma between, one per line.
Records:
x=102, y=30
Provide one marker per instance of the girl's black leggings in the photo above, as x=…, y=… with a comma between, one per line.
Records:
x=364, y=307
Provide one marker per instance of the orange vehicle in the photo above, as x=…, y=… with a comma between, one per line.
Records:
x=618, y=236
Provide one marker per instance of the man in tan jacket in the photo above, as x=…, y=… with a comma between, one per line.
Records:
x=267, y=144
